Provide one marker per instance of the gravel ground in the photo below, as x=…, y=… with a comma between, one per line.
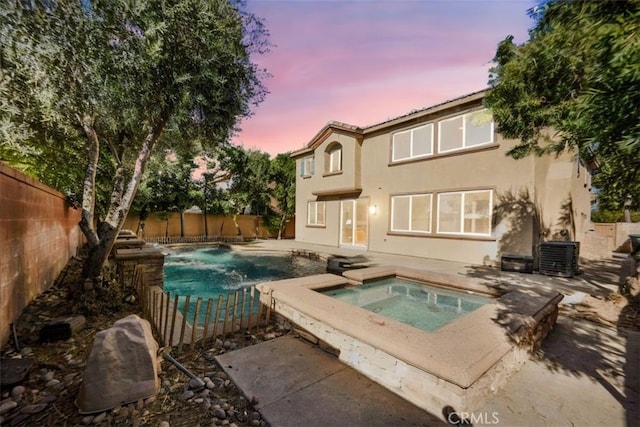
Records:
x=46, y=397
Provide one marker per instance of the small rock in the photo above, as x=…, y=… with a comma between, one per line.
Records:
x=52, y=383
x=269, y=336
x=198, y=400
x=7, y=406
x=19, y=419
x=164, y=424
x=98, y=418
x=176, y=387
x=150, y=400
x=48, y=376
x=87, y=420
x=255, y=422
x=26, y=351
x=219, y=413
x=196, y=383
x=254, y=416
x=33, y=409
x=209, y=384
x=186, y=395
x=218, y=343
x=69, y=377
x=18, y=391
x=49, y=399
x=228, y=344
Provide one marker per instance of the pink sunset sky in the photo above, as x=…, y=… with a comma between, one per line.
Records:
x=363, y=62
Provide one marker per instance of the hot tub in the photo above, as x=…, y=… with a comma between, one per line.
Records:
x=455, y=365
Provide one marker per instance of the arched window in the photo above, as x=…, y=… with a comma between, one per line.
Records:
x=333, y=158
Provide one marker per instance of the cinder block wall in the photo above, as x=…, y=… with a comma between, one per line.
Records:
x=39, y=232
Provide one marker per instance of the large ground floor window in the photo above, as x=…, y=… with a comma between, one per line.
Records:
x=315, y=213
x=465, y=212
x=411, y=213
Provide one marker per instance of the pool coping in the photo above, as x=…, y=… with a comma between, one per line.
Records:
x=490, y=332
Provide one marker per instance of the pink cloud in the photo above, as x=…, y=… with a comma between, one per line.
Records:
x=365, y=62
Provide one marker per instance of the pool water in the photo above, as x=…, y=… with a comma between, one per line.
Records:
x=209, y=272
x=422, y=306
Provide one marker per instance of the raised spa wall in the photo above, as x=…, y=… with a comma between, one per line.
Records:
x=457, y=366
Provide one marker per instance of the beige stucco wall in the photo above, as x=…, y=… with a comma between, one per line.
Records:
x=521, y=188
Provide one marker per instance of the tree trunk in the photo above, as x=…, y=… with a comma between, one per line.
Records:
x=181, y=223
x=92, y=268
x=87, y=225
x=121, y=199
x=235, y=222
x=281, y=228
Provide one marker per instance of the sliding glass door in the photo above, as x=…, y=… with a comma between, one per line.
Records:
x=354, y=222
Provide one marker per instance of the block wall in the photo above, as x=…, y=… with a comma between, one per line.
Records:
x=39, y=233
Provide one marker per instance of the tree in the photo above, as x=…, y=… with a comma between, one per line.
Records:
x=110, y=79
x=282, y=172
x=170, y=186
x=576, y=85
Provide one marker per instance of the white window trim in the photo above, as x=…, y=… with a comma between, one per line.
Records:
x=307, y=170
x=411, y=144
x=315, y=206
x=410, y=212
x=338, y=154
x=463, y=193
x=464, y=145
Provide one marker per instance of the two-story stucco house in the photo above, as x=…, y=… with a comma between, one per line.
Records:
x=436, y=183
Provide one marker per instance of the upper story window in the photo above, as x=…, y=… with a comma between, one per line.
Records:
x=307, y=166
x=465, y=212
x=412, y=143
x=411, y=213
x=465, y=131
x=333, y=158
x=315, y=213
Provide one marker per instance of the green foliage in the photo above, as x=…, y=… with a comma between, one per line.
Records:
x=125, y=67
x=283, y=176
x=575, y=84
x=608, y=216
x=170, y=187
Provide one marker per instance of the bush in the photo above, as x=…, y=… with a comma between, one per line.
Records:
x=613, y=216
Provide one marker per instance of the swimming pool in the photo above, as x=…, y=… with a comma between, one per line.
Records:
x=419, y=305
x=208, y=272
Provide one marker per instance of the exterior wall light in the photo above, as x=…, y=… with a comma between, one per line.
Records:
x=373, y=209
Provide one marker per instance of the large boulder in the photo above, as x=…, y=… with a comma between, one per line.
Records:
x=122, y=366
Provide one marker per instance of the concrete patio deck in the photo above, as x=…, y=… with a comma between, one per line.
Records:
x=584, y=374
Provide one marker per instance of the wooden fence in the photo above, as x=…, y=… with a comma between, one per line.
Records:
x=240, y=311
